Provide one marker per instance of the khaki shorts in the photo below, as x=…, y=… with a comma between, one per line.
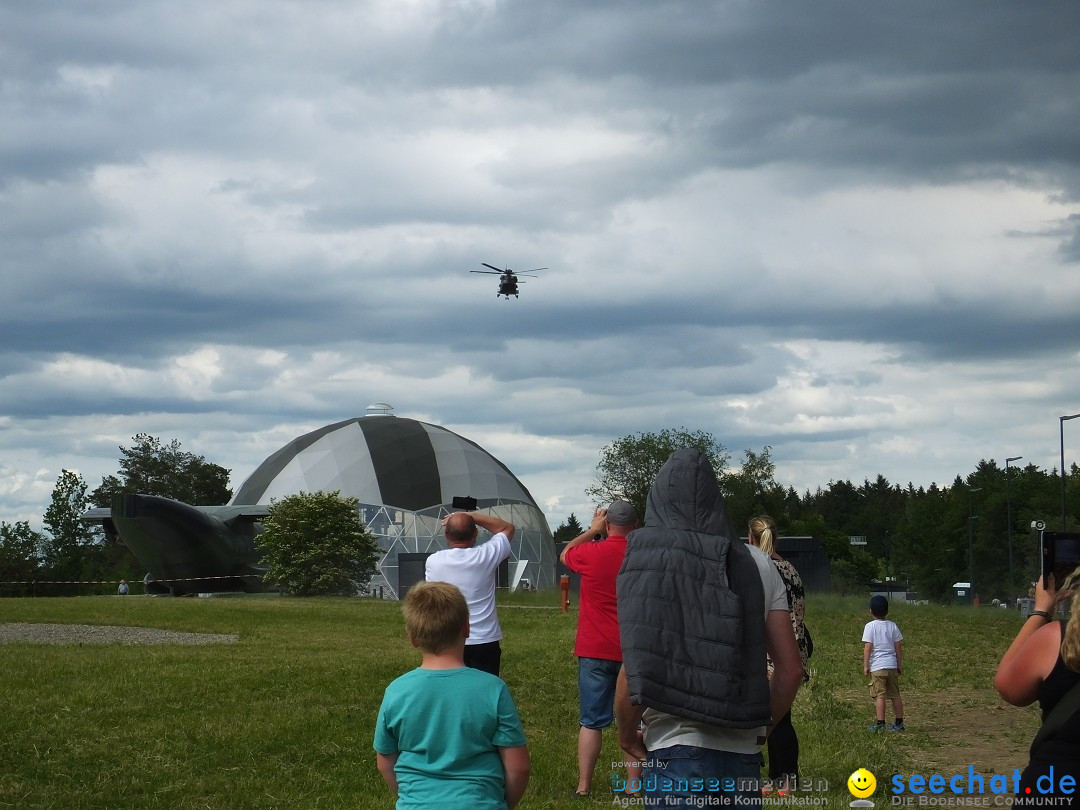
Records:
x=884, y=683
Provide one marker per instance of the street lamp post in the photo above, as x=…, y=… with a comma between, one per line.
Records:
x=1008, y=513
x=1062, y=421
x=971, y=541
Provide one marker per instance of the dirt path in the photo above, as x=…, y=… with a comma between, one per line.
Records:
x=969, y=727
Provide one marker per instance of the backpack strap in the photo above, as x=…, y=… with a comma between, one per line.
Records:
x=1065, y=708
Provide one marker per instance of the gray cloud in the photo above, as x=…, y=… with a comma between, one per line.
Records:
x=846, y=231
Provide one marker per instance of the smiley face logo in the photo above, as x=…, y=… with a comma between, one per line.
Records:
x=861, y=783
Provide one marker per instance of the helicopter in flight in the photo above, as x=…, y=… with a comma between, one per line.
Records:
x=508, y=280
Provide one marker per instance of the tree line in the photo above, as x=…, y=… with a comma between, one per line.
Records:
x=914, y=535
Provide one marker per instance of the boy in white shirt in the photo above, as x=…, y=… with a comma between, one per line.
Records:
x=882, y=659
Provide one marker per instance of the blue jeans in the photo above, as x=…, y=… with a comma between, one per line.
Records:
x=684, y=772
x=596, y=691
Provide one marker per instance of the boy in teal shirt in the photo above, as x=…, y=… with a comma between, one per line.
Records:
x=448, y=735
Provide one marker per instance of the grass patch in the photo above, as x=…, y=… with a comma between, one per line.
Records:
x=284, y=718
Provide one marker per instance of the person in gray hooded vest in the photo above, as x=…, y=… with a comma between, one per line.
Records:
x=698, y=612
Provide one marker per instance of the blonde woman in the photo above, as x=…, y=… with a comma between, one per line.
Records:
x=1043, y=663
x=783, y=743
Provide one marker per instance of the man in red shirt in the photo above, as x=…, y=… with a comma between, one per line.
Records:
x=597, y=647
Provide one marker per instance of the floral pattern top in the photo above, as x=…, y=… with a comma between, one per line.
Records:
x=796, y=596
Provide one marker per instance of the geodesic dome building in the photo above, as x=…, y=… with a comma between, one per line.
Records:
x=406, y=475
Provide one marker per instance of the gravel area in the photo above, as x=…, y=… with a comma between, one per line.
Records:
x=103, y=634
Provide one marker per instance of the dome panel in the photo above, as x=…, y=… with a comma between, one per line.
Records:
x=288, y=482
x=384, y=460
x=404, y=461
x=464, y=465
x=320, y=468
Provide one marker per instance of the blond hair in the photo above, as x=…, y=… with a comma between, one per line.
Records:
x=1070, y=641
x=763, y=533
x=435, y=615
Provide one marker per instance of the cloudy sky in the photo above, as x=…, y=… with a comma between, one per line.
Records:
x=846, y=230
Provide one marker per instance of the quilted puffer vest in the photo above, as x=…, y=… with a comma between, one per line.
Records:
x=691, y=605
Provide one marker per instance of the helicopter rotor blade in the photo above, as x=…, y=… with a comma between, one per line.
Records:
x=488, y=272
x=493, y=267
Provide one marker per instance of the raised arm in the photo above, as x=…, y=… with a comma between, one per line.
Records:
x=597, y=527
x=494, y=524
x=1032, y=653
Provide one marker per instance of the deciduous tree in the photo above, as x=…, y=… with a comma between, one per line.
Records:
x=153, y=468
x=752, y=489
x=67, y=550
x=628, y=465
x=20, y=548
x=316, y=544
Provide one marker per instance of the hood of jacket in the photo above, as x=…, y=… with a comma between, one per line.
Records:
x=686, y=496
x=691, y=605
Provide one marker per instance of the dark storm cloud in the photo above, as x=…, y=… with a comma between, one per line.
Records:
x=919, y=88
x=127, y=318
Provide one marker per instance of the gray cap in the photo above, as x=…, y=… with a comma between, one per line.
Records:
x=620, y=513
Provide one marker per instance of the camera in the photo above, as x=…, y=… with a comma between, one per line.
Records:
x=1060, y=555
x=1038, y=525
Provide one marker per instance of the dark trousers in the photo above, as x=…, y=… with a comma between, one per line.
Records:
x=783, y=749
x=484, y=656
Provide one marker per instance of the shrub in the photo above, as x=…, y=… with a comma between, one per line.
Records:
x=316, y=544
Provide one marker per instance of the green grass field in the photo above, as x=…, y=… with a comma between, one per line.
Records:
x=284, y=717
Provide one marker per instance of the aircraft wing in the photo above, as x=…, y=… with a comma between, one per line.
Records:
x=190, y=548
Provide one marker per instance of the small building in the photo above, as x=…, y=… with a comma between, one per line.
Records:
x=962, y=593
x=809, y=559
x=893, y=590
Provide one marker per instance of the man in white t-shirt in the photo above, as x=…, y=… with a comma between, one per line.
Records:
x=474, y=570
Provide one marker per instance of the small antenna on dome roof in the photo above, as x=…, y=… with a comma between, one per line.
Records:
x=379, y=409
